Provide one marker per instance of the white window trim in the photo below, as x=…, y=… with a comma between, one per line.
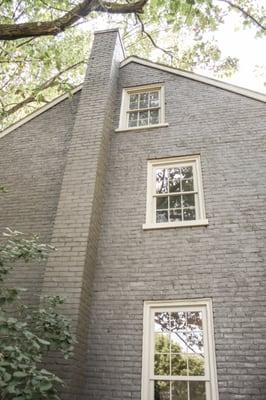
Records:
x=146, y=393
x=201, y=220
x=125, y=102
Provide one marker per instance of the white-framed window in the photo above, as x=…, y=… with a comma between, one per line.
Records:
x=142, y=107
x=174, y=193
x=178, y=351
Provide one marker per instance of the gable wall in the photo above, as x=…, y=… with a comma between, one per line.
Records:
x=31, y=167
x=223, y=261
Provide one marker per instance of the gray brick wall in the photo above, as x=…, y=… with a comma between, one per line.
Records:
x=31, y=168
x=224, y=261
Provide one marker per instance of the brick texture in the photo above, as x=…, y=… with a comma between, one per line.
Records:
x=88, y=197
x=224, y=261
x=31, y=168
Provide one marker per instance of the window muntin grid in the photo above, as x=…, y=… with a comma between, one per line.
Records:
x=175, y=193
x=144, y=108
x=179, y=356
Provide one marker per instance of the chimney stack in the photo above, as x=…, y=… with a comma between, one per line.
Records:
x=69, y=270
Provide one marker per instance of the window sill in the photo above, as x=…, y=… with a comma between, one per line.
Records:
x=200, y=222
x=138, y=128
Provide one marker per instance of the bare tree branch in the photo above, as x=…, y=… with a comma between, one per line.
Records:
x=168, y=52
x=245, y=14
x=54, y=8
x=25, y=42
x=49, y=83
x=45, y=28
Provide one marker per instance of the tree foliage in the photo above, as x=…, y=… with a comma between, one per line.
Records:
x=179, y=366
x=45, y=42
x=27, y=334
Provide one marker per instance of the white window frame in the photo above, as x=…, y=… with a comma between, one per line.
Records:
x=123, y=122
x=151, y=195
x=150, y=307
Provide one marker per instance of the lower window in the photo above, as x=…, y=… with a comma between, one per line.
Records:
x=178, y=351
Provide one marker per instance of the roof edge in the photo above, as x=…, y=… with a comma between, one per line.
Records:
x=39, y=111
x=196, y=77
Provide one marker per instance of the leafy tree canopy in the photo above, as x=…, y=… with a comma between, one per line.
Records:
x=45, y=42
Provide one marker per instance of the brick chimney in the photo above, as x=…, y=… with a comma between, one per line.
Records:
x=69, y=270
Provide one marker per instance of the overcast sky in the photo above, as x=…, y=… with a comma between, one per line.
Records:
x=251, y=52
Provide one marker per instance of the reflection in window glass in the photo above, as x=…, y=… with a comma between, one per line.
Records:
x=179, y=390
x=162, y=390
x=144, y=109
x=179, y=352
x=176, y=183
x=179, y=362
x=197, y=390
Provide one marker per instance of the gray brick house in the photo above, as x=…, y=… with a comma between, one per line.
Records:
x=150, y=182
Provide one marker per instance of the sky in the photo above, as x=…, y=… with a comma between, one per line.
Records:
x=251, y=52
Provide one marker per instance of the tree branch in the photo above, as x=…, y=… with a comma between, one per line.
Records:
x=42, y=87
x=245, y=14
x=168, y=52
x=45, y=28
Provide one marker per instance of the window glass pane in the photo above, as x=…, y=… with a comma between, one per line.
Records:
x=195, y=332
x=162, y=322
x=187, y=185
x=187, y=172
x=188, y=200
x=154, y=117
x=179, y=390
x=175, y=215
x=174, y=179
x=161, y=390
x=175, y=202
x=161, y=216
x=161, y=343
x=179, y=331
x=161, y=202
x=154, y=99
x=161, y=180
x=179, y=342
x=162, y=364
x=133, y=101
x=133, y=119
x=143, y=118
x=179, y=365
x=178, y=320
x=189, y=215
x=195, y=341
x=196, y=365
x=197, y=390
x=194, y=320
x=144, y=100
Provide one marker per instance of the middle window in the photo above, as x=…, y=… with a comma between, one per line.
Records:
x=175, y=195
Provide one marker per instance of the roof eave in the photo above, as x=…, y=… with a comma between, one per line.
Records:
x=196, y=77
x=40, y=110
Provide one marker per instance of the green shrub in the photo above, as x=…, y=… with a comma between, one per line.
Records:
x=27, y=334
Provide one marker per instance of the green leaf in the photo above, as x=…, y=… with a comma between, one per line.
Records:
x=44, y=387
x=44, y=342
x=19, y=374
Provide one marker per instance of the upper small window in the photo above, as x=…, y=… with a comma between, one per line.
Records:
x=142, y=107
x=174, y=193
